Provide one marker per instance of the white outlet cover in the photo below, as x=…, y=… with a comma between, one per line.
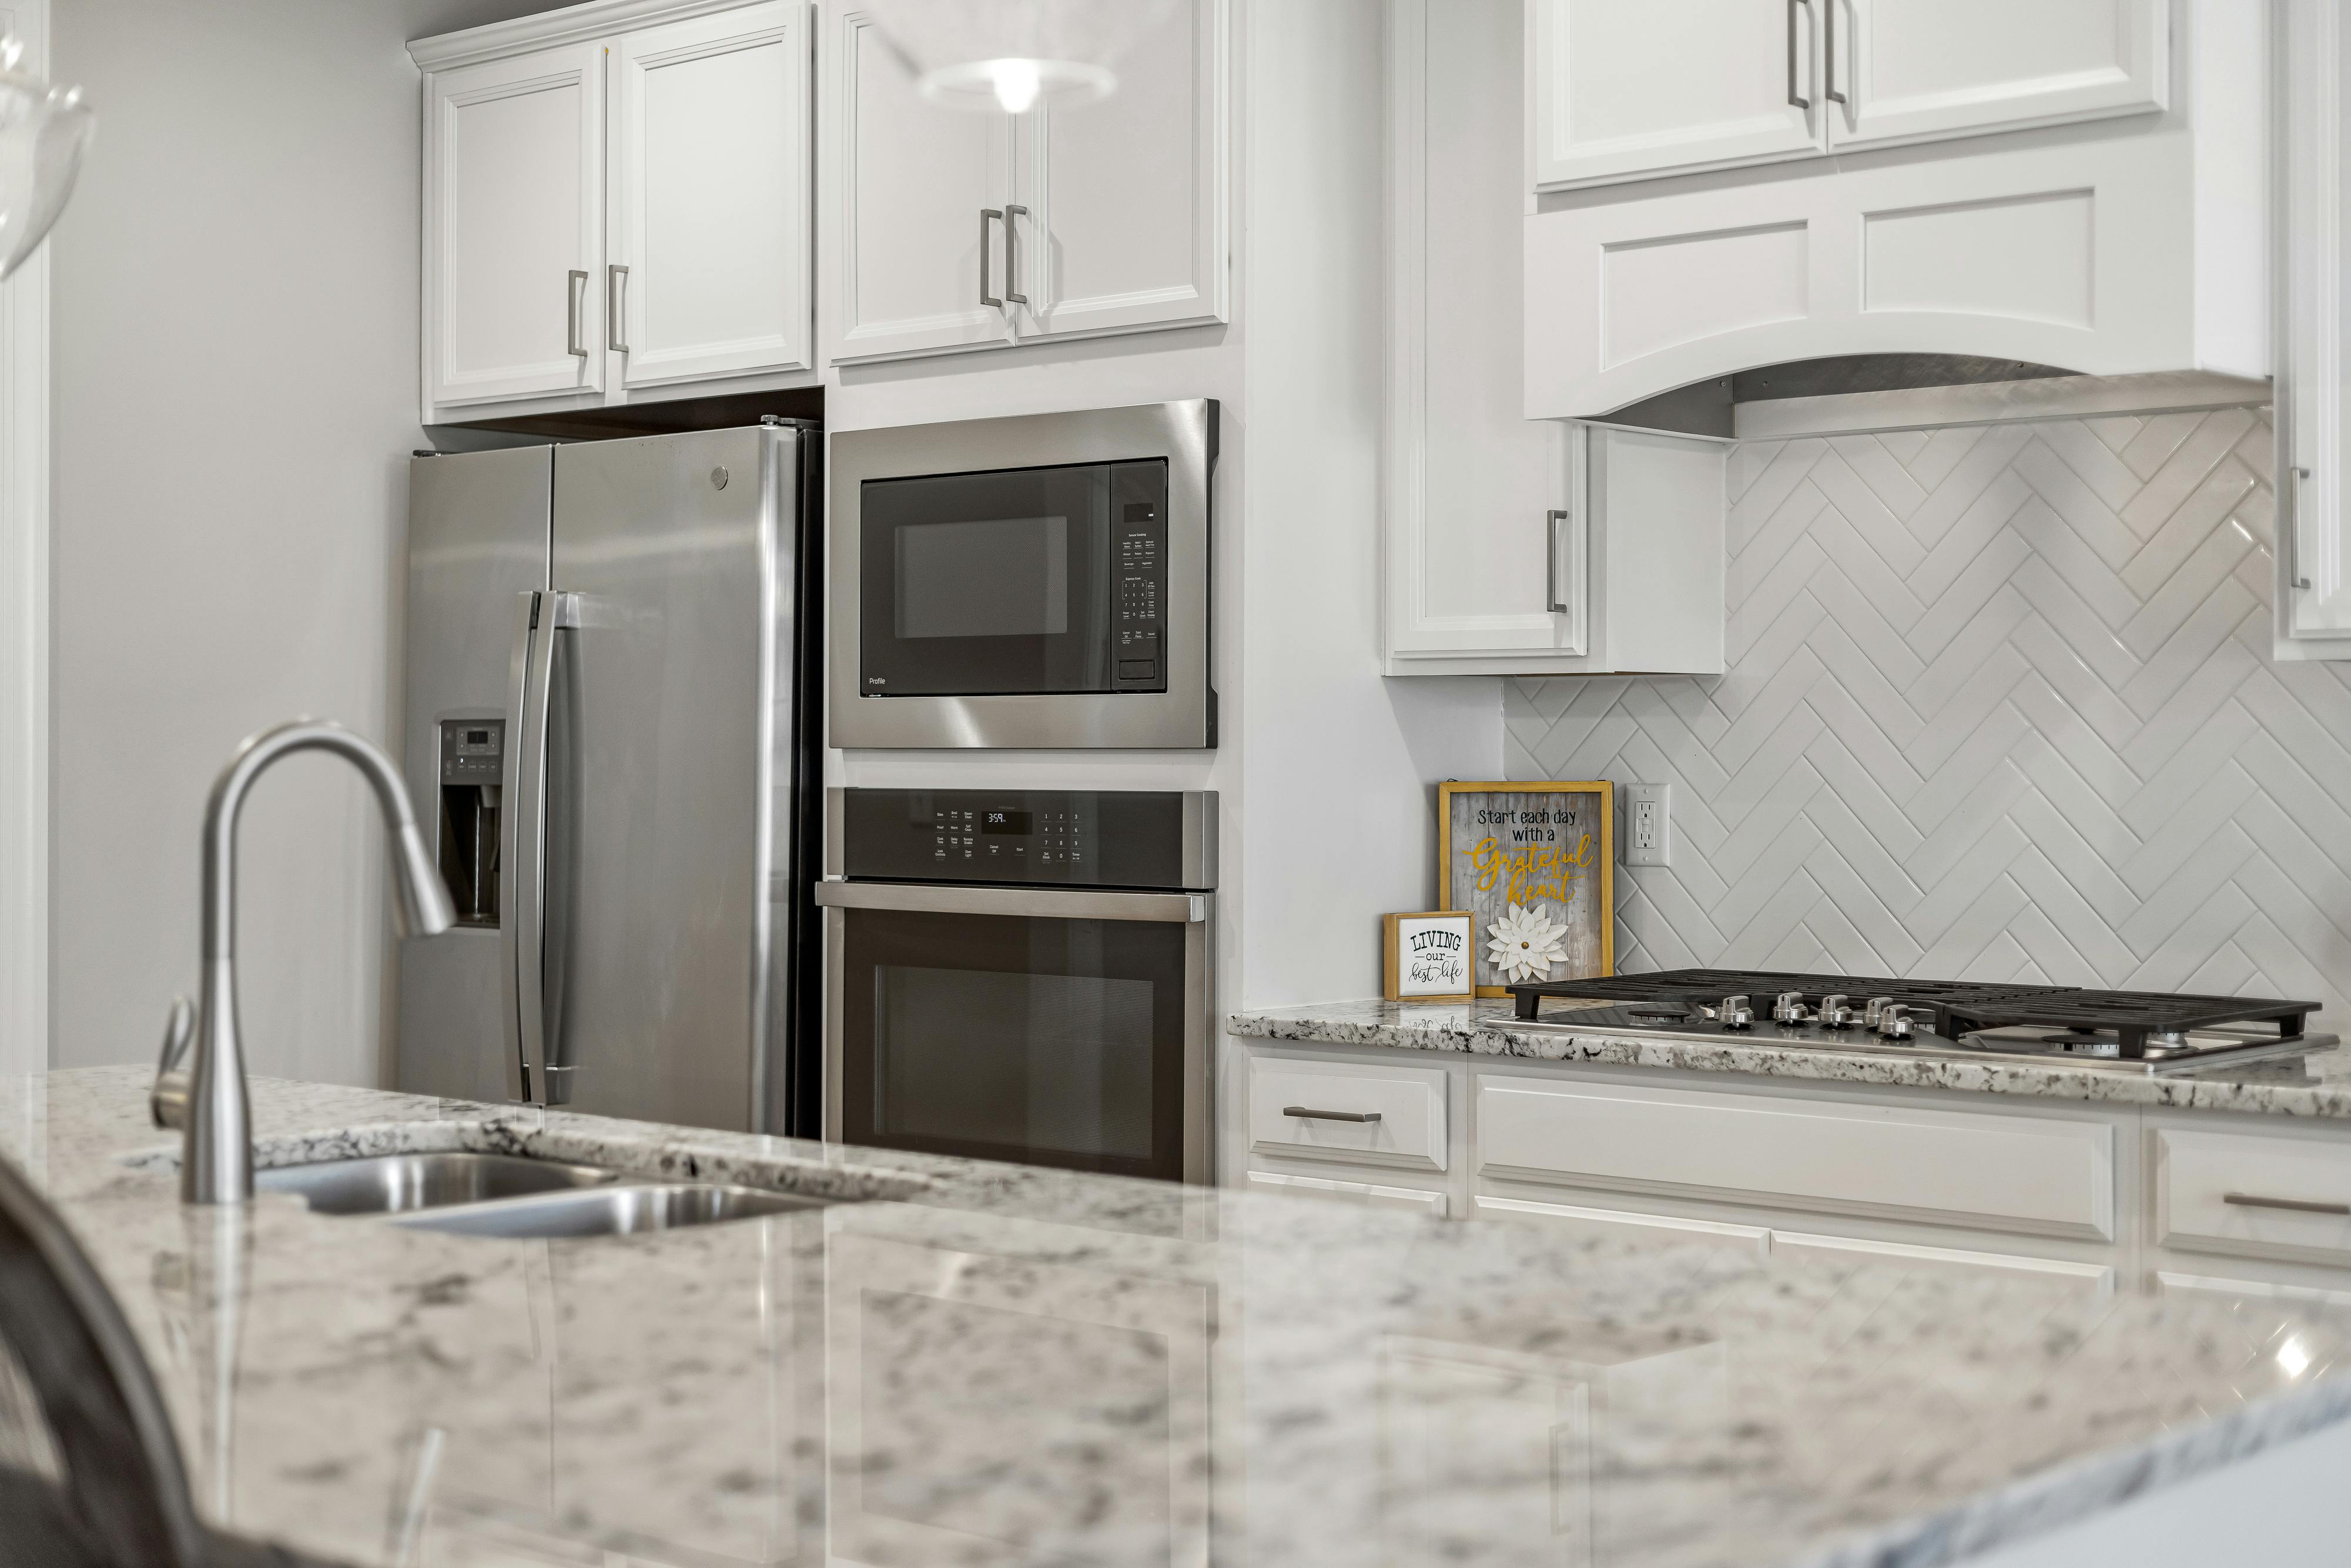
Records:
x=1648, y=826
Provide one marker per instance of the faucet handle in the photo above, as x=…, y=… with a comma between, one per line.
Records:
x=168, y=1102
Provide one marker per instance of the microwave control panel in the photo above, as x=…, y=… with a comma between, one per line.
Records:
x=1141, y=544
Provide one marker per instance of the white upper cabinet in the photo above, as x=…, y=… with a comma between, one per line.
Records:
x=710, y=270
x=1126, y=196
x=950, y=229
x=514, y=227
x=1510, y=545
x=1908, y=70
x=1627, y=92
x=915, y=216
x=2136, y=244
x=2314, y=557
x=617, y=197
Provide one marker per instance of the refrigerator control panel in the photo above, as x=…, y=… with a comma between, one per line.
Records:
x=1054, y=838
x=473, y=750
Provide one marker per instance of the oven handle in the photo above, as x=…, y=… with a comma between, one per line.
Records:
x=1052, y=902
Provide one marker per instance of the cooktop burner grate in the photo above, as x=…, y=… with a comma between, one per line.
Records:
x=2134, y=1020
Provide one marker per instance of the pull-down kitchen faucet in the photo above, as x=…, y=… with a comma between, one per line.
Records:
x=209, y=1100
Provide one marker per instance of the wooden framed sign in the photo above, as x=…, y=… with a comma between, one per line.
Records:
x=1534, y=865
x=1427, y=956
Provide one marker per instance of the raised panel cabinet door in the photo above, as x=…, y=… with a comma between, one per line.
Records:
x=2315, y=415
x=1126, y=198
x=916, y=261
x=1910, y=70
x=710, y=256
x=514, y=228
x=1627, y=92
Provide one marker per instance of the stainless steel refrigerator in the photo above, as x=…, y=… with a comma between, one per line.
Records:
x=611, y=704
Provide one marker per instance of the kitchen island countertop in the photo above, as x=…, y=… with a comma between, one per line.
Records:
x=982, y=1364
x=2315, y=1085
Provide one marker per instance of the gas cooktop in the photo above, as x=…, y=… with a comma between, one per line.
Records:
x=2143, y=1031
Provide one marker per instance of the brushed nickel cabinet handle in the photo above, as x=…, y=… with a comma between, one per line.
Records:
x=1012, y=251
x=616, y=305
x=985, y=214
x=1331, y=1115
x=2293, y=530
x=1555, y=524
x=2292, y=1205
x=575, y=290
x=1795, y=99
x=1828, y=43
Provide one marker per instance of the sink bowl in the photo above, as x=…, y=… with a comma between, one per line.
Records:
x=402, y=1184
x=619, y=1210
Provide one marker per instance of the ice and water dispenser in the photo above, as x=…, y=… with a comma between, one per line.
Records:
x=473, y=766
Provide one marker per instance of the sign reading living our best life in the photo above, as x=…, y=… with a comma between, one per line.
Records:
x=1433, y=955
x=1533, y=863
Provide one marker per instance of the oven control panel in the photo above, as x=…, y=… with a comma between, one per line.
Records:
x=1053, y=838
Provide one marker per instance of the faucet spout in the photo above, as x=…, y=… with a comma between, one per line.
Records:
x=216, y=1163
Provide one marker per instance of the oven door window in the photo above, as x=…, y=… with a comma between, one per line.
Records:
x=1045, y=1041
x=1012, y=581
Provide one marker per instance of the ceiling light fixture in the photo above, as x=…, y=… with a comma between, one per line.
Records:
x=43, y=130
x=1005, y=55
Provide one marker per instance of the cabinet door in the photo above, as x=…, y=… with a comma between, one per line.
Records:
x=2315, y=417
x=1625, y=91
x=1908, y=70
x=1126, y=198
x=514, y=228
x=1474, y=481
x=710, y=241
x=915, y=259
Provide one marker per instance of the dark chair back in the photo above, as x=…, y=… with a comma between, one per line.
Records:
x=122, y=1499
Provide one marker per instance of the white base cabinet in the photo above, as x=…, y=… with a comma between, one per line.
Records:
x=2084, y=1198
x=617, y=198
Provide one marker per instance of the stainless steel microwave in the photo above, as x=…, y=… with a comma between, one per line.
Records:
x=1038, y=582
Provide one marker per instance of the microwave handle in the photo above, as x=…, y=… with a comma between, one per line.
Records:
x=1053, y=904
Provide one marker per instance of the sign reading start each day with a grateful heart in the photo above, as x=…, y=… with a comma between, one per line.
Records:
x=1533, y=864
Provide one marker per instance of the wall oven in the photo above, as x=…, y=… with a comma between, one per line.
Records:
x=1022, y=974
x=1040, y=582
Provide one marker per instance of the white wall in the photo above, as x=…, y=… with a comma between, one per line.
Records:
x=1339, y=763
x=235, y=321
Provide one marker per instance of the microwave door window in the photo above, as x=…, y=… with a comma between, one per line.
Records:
x=1003, y=583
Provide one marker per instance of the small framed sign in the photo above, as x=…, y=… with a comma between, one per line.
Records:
x=1428, y=955
x=1534, y=864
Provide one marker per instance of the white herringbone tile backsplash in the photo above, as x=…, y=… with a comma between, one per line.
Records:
x=1999, y=706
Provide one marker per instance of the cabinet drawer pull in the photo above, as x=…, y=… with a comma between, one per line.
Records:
x=2293, y=1204
x=575, y=289
x=986, y=215
x=1331, y=1115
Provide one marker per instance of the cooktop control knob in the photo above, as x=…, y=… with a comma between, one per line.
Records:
x=1894, y=1021
x=1874, y=1010
x=1834, y=1013
x=1789, y=1008
x=1735, y=1013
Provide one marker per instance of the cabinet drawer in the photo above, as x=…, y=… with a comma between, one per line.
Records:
x=2002, y=1172
x=1337, y=1110
x=1370, y=1196
x=2256, y=1196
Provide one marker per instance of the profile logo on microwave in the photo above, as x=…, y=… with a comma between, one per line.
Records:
x=877, y=680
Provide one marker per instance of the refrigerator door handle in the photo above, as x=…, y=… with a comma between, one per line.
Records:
x=522, y=846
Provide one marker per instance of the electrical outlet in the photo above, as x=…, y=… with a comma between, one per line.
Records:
x=1648, y=825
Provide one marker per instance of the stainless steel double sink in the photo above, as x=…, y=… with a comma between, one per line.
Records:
x=469, y=1194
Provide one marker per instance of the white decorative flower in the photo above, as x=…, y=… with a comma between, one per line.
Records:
x=1524, y=944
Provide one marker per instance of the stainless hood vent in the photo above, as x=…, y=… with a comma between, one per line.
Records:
x=1706, y=408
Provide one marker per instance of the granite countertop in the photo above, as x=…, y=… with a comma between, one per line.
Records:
x=984, y=1364
x=2318, y=1084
